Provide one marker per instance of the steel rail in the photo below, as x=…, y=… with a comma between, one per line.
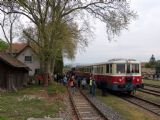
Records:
x=151, y=85
x=97, y=109
x=150, y=92
x=158, y=105
x=130, y=99
x=74, y=106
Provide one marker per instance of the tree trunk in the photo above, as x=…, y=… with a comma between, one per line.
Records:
x=46, y=72
x=52, y=68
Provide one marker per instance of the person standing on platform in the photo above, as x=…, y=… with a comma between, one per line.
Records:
x=90, y=85
x=93, y=87
x=83, y=83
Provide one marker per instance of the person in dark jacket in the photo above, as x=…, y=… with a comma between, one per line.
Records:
x=93, y=87
x=104, y=88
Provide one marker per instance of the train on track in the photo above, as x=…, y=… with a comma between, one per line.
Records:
x=123, y=75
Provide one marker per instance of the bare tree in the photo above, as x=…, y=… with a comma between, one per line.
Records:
x=53, y=17
x=8, y=23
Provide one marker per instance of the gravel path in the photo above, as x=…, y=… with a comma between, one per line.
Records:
x=67, y=114
x=107, y=110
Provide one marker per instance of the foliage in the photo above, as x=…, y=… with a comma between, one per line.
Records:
x=152, y=59
x=56, y=23
x=3, y=45
x=58, y=68
x=157, y=66
x=149, y=65
x=152, y=62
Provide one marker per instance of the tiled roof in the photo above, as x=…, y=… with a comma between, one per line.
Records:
x=12, y=61
x=18, y=47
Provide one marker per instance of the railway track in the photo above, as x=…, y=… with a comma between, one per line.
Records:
x=155, y=86
x=151, y=89
x=147, y=105
x=84, y=109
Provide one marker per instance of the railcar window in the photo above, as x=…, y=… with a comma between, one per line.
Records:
x=135, y=68
x=110, y=68
x=98, y=69
x=107, y=68
x=120, y=68
x=101, y=70
x=128, y=68
x=91, y=69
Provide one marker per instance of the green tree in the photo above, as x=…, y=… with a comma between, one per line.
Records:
x=152, y=62
x=3, y=45
x=158, y=66
x=152, y=59
x=56, y=20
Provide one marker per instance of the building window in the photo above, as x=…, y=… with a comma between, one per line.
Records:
x=37, y=71
x=28, y=58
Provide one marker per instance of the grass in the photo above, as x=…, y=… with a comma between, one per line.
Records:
x=127, y=110
x=154, y=82
x=31, y=102
x=147, y=96
x=56, y=89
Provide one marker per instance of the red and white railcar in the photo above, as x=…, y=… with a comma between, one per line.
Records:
x=117, y=74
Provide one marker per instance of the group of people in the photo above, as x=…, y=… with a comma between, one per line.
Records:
x=73, y=81
x=82, y=82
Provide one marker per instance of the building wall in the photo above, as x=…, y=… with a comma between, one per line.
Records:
x=34, y=64
x=11, y=77
x=3, y=75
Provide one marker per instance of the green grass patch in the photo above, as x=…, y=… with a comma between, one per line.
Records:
x=153, y=82
x=149, y=97
x=3, y=118
x=127, y=110
x=56, y=88
x=31, y=102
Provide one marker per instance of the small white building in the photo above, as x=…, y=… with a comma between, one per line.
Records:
x=25, y=53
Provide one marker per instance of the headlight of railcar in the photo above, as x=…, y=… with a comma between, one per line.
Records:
x=120, y=80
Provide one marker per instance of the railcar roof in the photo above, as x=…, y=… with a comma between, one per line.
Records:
x=112, y=61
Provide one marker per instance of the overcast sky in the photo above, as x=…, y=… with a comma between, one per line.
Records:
x=140, y=41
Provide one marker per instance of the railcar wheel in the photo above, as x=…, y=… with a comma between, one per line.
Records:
x=129, y=92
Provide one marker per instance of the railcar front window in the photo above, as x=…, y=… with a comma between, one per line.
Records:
x=120, y=68
x=128, y=68
x=135, y=68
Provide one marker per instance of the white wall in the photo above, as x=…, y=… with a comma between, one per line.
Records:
x=35, y=64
